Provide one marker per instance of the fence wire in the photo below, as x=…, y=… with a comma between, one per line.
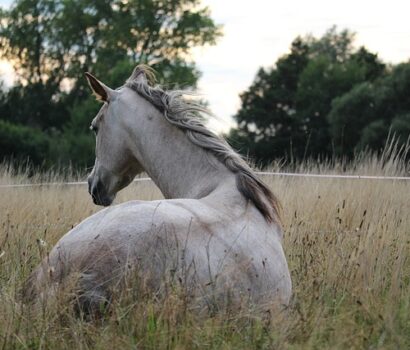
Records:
x=264, y=173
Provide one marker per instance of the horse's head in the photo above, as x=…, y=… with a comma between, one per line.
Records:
x=115, y=164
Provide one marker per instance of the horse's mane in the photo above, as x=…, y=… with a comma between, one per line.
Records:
x=185, y=114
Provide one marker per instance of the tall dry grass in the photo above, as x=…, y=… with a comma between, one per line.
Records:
x=347, y=244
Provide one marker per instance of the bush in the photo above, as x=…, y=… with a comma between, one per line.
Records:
x=23, y=143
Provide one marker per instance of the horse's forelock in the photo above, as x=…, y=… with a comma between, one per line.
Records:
x=144, y=71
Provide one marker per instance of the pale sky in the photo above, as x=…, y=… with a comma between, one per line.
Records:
x=257, y=32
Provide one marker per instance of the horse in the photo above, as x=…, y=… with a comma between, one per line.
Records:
x=217, y=230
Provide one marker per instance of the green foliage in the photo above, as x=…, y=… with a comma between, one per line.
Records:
x=337, y=46
x=267, y=125
x=34, y=105
x=319, y=83
x=285, y=112
x=400, y=127
x=364, y=116
x=22, y=143
x=53, y=42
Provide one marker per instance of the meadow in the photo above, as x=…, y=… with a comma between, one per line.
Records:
x=347, y=243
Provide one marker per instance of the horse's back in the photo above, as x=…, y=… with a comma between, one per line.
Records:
x=185, y=238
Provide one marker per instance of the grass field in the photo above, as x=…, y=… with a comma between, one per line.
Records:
x=347, y=244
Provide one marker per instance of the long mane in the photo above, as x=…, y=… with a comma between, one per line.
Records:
x=185, y=114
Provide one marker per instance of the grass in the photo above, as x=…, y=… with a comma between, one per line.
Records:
x=347, y=243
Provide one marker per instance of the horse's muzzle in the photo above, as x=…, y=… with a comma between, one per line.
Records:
x=98, y=193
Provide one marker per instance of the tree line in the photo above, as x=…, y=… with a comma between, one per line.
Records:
x=324, y=98
x=45, y=116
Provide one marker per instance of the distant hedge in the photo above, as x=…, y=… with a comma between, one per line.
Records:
x=20, y=142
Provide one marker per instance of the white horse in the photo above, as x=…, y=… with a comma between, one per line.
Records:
x=217, y=231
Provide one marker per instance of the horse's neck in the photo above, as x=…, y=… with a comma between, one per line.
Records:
x=178, y=167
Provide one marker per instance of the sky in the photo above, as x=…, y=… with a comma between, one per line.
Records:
x=257, y=32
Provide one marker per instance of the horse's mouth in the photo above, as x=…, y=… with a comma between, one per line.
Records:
x=102, y=200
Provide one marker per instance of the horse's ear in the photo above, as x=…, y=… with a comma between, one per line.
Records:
x=100, y=90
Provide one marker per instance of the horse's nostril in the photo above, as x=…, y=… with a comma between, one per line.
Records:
x=99, y=186
x=99, y=194
x=96, y=189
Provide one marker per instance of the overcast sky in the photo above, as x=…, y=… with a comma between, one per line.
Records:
x=257, y=32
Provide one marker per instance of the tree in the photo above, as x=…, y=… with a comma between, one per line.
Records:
x=321, y=81
x=58, y=39
x=53, y=42
x=284, y=112
x=267, y=125
x=21, y=143
x=364, y=117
